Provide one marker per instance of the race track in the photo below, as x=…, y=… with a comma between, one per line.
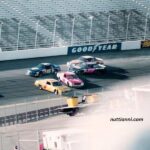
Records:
x=122, y=66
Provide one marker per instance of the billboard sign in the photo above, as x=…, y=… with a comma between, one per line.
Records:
x=94, y=48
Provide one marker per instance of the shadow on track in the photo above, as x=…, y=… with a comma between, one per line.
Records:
x=1, y=96
x=111, y=73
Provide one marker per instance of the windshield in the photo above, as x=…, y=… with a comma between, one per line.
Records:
x=92, y=66
x=89, y=59
x=72, y=76
x=39, y=66
x=57, y=84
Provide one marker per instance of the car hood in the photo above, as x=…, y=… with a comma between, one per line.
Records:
x=101, y=66
x=56, y=66
x=75, y=80
x=90, y=62
x=34, y=69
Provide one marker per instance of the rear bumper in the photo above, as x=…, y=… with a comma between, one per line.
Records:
x=77, y=86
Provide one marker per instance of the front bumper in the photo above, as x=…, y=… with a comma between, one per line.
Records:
x=29, y=73
x=77, y=85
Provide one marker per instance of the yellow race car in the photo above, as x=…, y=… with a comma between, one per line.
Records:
x=51, y=85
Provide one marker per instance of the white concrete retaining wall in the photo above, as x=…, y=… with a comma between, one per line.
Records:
x=131, y=45
x=55, y=51
x=32, y=53
x=13, y=109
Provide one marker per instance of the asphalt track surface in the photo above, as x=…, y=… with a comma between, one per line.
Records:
x=122, y=66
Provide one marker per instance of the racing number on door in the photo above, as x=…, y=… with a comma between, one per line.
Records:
x=48, y=71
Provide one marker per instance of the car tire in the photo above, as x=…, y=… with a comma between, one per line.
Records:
x=53, y=70
x=40, y=87
x=76, y=72
x=104, y=71
x=56, y=92
x=59, y=79
x=40, y=74
x=68, y=84
x=79, y=72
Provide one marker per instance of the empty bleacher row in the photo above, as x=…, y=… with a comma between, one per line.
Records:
x=66, y=34
x=144, y=5
x=29, y=24
x=53, y=7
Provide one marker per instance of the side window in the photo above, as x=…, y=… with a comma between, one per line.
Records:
x=48, y=83
x=47, y=67
x=39, y=66
x=83, y=66
x=43, y=66
x=86, y=60
x=80, y=58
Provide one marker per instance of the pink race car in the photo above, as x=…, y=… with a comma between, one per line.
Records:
x=70, y=79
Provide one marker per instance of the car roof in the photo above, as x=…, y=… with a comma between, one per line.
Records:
x=51, y=80
x=87, y=56
x=69, y=73
x=34, y=68
x=46, y=64
x=76, y=61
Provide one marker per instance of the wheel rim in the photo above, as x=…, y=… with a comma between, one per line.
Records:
x=40, y=87
x=56, y=92
x=52, y=70
x=40, y=74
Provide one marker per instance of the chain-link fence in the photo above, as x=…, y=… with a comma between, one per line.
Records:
x=108, y=101
x=37, y=110
x=30, y=111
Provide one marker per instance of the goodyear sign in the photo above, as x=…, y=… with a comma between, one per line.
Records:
x=145, y=44
x=94, y=48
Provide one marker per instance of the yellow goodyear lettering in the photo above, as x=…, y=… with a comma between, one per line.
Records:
x=146, y=44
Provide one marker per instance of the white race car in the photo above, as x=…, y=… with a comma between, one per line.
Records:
x=87, y=60
x=70, y=79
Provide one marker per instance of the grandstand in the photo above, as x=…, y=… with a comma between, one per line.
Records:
x=31, y=24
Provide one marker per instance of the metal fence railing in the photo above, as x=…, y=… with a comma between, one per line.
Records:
x=26, y=139
x=30, y=111
x=41, y=109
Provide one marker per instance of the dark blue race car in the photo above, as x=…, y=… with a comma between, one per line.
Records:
x=43, y=68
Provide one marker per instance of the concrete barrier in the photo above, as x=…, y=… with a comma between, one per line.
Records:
x=30, y=106
x=32, y=53
x=131, y=45
x=57, y=51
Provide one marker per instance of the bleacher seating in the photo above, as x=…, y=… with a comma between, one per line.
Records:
x=35, y=20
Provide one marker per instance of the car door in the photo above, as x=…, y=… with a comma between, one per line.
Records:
x=48, y=86
x=65, y=80
x=42, y=68
x=48, y=68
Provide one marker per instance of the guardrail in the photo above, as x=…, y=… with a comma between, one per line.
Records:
x=35, y=111
x=31, y=111
x=32, y=53
x=72, y=50
x=30, y=116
